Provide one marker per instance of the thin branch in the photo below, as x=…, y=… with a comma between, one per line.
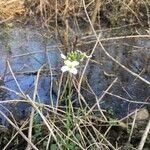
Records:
x=19, y=130
x=144, y=137
x=112, y=58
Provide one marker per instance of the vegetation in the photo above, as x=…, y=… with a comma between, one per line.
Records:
x=73, y=124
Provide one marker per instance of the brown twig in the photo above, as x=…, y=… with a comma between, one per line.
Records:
x=144, y=137
x=107, y=54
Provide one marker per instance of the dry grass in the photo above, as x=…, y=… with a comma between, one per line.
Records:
x=56, y=12
x=114, y=12
x=67, y=127
x=11, y=8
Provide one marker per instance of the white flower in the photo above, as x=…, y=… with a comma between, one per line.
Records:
x=63, y=56
x=71, y=63
x=70, y=66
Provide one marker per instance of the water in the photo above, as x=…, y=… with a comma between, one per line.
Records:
x=124, y=95
x=26, y=53
x=27, y=50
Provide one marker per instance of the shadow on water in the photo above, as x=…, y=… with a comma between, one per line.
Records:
x=28, y=51
x=26, y=54
x=128, y=93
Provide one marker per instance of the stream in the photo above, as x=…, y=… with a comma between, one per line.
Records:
x=25, y=50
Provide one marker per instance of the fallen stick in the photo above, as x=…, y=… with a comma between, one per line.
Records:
x=144, y=137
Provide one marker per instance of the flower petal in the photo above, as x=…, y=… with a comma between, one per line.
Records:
x=63, y=56
x=64, y=68
x=73, y=70
x=75, y=63
x=67, y=62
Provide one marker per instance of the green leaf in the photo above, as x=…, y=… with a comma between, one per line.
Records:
x=53, y=147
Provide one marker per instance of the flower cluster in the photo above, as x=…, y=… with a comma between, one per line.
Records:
x=71, y=61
